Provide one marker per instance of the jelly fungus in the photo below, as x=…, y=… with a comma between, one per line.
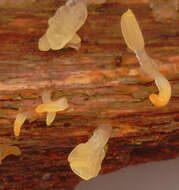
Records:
x=135, y=41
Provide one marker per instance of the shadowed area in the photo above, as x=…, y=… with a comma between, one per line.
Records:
x=155, y=176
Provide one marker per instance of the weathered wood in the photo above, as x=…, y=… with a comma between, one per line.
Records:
x=103, y=83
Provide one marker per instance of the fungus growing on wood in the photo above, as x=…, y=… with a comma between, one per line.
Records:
x=134, y=40
x=86, y=158
x=19, y=121
x=63, y=26
x=51, y=107
x=6, y=150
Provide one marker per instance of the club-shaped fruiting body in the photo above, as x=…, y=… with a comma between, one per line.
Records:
x=134, y=39
x=86, y=158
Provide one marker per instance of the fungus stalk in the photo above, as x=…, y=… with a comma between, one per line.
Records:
x=86, y=158
x=51, y=107
x=134, y=40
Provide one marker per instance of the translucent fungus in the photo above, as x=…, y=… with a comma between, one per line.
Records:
x=55, y=106
x=63, y=26
x=75, y=42
x=86, y=158
x=19, y=121
x=6, y=150
x=51, y=107
x=134, y=40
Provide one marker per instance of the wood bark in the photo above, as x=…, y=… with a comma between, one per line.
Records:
x=102, y=82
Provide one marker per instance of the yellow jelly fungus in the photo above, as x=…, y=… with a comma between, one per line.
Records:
x=51, y=107
x=55, y=106
x=86, y=158
x=164, y=95
x=19, y=121
x=134, y=40
x=75, y=42
x=6, y=150
x=131, y=31
x=63, y=26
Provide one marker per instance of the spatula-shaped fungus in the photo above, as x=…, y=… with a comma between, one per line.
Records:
x=63, y=26
x=6, y=150
x=19, y=121
x=51, y=107
x=86, y=158
x=134, y=40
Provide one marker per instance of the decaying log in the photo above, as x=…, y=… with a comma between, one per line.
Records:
x=102, y=82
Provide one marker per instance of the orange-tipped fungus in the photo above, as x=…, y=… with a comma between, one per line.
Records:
x=6, y=150
x=134, y=39
x=51, y=107
x=86, y=158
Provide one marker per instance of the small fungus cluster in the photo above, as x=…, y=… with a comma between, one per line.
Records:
x=86, y=158
x=51, y=107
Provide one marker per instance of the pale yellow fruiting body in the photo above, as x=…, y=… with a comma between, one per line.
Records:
x=131, y=31
x=63, y=26
x=134, y=40
x=51, y=107
x=19, y=121
x=43, y=44
x=149, y=67
x=55, y=106
x=75, y=42
x=6, y=150
x=86, y=158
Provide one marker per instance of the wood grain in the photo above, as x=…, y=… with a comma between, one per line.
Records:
x=102, y=82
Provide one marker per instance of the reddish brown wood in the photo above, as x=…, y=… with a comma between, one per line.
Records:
x=102, y=82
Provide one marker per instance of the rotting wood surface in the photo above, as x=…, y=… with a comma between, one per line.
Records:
x=102, y=82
